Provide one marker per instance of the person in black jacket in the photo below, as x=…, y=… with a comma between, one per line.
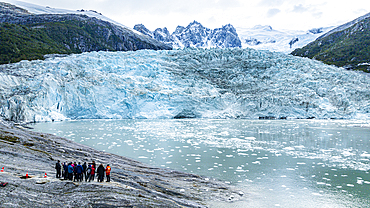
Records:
x=84, y=166
x=101, y=171
x=75, y=171
x=58, y=167
x=65, y=167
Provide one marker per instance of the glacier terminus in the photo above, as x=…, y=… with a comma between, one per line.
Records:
x=187, y=83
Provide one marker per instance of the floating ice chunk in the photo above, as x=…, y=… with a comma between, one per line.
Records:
x=299, y=147
x=367, y=155
x=347, y=154
x=350, y=185
x=250, y=138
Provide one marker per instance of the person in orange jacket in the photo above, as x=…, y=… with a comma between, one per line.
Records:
x=107, y=172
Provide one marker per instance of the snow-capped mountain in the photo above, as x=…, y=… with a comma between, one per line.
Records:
x=195, y=35
x=54, y=31
x=189, y=83
x=259, y=37
x=38, y=9
x=266, y=38
x=345, y=46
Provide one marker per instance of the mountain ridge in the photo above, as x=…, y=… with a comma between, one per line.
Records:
x=345, y=46
x=195, y=35
x=260, y=37
x=31, y=36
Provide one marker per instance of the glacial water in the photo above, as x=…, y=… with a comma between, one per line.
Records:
x=276, y=163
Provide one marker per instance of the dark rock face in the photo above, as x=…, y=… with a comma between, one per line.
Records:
x=294, y=40
x=316, y=30
x=253, y=41
x=196, y=35
x=133, y=184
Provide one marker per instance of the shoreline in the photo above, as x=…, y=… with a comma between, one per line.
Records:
x=132, y=183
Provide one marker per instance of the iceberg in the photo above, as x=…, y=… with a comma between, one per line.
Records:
x=189, y=83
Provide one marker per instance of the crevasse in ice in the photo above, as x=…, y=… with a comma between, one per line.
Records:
x=202, y=83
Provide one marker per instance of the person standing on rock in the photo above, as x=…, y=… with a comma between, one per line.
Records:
x=58, y=167
x=92, y=174
x=88, y=173
x=101, y=171
x=79, y=171
x=93, y=164
x=70, y=171
x=65, y=167
x=75, y=171
x=107, y=172
x=84, y=166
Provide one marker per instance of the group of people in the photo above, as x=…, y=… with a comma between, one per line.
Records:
x=77, y=172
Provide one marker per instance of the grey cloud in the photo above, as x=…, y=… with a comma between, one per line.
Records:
x=272, y=12
x=300, y=8
x=312, y=9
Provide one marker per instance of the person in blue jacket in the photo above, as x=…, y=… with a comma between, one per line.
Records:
x=70, y=171
x=79, y=171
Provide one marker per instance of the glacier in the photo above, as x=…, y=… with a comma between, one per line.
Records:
x=188, y=83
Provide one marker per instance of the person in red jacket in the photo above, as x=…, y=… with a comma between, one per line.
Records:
x=107, y=172
x=92, y=174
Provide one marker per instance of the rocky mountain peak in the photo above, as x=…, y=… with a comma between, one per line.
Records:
x=141, y=28
x=179, y=29
x=196, y=35
x=162, y=34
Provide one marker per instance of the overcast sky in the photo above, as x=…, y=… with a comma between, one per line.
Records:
x=280, y=14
